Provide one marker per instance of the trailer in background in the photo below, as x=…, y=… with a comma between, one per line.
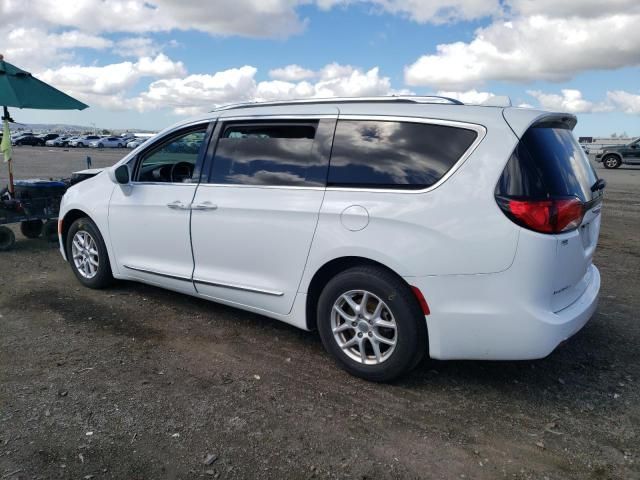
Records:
x=35, y=206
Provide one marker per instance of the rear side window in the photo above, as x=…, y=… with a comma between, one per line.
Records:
x=548, y=162
x=388, y=154
x=274, y=154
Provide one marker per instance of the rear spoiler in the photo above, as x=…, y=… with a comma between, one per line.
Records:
x=521, y=119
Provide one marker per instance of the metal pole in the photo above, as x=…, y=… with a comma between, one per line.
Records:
x=7, y=118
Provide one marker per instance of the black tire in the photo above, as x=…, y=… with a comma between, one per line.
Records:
x=50, y=231
x=411, y=329
x=80, y=145
x=31, y=228
x=7, y=239
x=100, y=145
x=103, y=276
x=120, y=145
x=611, y=161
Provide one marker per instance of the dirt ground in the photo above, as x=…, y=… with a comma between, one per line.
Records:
x=139, y=383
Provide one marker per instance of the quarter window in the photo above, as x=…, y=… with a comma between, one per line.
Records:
x=389, y=154
x=173, y=161
x=280, y=154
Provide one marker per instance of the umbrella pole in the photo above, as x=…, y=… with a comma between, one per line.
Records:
x=6, y=118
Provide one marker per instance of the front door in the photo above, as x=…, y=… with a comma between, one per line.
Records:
x=632, y=153
x=253, y=222
x=149, y=218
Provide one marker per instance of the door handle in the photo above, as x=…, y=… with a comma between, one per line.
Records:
x=204, y=206
x=177, y=205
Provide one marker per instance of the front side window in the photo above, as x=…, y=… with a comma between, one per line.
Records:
x=173, y=161
x=390, y=154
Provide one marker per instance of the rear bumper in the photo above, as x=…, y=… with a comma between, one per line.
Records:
x=482, y=317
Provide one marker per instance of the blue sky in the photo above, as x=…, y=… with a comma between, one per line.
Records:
x=148, y=64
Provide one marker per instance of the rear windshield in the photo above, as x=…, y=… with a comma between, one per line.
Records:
x=548, y=162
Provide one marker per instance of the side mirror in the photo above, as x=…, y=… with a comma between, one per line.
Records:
x=122, y=175
x=635, y=145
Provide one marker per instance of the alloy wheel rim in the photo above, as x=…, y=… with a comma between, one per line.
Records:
x=364, y=327
x=84, y=251
x=611, y=162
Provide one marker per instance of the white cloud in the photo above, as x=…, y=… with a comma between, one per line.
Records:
x=198, y=93
x=137, y=47
x=253, y=18
x=570, y=100
x=32, y=48
x=625, y=101
x=291, y=73
x=531, y=48
x=469, y=96
x=107, y=85
x=580, y=9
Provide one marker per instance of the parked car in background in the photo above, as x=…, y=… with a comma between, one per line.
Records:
x=108, y=142
x=30, y=140
x=395, y=226
x=65, y=141
x=137, y=142
x=53, y=142
x=48, y=136
x=16, y=136
x=83, y=141
x=616, y=155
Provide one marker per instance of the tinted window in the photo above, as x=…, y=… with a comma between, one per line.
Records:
x=174, y=160
x=383, y=154
x=548, y=162
x=269, y=154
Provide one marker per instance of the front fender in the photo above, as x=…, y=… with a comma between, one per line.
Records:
x=91, y=197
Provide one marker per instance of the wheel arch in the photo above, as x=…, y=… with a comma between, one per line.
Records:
x=612, y=154
x=328, y=271
x=68, y=219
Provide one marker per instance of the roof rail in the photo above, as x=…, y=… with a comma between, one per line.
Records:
x=382, y=99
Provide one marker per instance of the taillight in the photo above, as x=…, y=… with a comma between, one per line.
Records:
x=554, y=215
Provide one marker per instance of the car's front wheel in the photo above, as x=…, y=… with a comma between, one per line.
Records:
x=88, y=255
x=371, y=323
x=611, y=161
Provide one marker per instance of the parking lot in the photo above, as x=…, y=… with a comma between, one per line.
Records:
x=138, y=382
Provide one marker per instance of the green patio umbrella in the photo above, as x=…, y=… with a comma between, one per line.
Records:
x=20, y=89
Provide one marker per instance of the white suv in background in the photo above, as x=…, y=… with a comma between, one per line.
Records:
x=108, y=142
x=394, y=226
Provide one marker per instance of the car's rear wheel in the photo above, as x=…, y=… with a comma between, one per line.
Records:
x=611, y=161
x=31, y=228
x=371, y=323
x=7, y=239
x=88, y=255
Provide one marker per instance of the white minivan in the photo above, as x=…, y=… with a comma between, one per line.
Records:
x=395, y=226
